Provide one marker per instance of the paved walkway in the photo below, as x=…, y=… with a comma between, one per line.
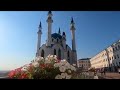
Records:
x=110, y=75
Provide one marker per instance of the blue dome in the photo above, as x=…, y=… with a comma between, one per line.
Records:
x=56, y=35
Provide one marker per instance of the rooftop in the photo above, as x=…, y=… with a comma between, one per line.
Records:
x=85, y=59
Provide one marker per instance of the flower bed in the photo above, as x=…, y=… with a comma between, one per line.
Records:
x=44, y=68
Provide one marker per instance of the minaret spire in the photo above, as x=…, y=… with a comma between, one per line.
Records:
x=40, y=26
x=72, y=21
x=59, y=32
x=72, y=24
x=74, y=54
x=49, y=21
x=72, y=28
x=39, y=38
x=49, y=12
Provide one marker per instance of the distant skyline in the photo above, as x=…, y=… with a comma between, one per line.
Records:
x=95, y=30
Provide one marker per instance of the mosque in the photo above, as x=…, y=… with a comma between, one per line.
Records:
x=56, y=42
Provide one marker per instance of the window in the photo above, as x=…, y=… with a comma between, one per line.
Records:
x=52, y=40
x=118, y=56
x=69, y=60
x=112, y=58
x=113, y=49
x=42, y=53
x=116, y=48
x=113, y=64
x=57, y=40
x=116, y=64
x=115, y=57
x=54, y=51
x=66, y=46
x=104, y=60
x=119, y=63
x=109, y=58
x=68, y=54
x=59, y=54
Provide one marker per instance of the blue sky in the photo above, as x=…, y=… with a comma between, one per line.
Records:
x=95, y=30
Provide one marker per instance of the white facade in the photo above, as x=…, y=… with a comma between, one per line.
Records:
x=56, y=43
x=108, y=58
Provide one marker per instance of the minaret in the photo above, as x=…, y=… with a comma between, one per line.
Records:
x=74, y=54
x=64, y=40
x=49, y=21
x=64, y=45
x=39, y=38
x=59, y=32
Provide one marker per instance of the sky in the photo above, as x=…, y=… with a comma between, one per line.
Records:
x=95, y=30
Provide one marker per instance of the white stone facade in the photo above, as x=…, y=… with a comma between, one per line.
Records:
x=108, y=58
x=56, y=43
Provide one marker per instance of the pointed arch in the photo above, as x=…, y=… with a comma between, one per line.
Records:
x=54, y=51
x=57, y=40
x=59, y=54
x=52, y=39
x=42, y=53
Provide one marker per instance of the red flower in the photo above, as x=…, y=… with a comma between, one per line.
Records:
x=23, y=76
x=42, y=65
x=11, y=74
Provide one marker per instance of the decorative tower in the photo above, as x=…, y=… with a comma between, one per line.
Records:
x=74, y=54
x=49, y=21
x=39, y=38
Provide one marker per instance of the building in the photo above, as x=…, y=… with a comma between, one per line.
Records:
x=108, y=58
x=56, y=42
x=84, y=63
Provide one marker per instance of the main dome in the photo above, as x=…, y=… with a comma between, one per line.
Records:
x=56, y=35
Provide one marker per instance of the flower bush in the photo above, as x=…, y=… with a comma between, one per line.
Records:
x=44, y=68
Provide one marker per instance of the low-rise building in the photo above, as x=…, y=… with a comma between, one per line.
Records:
x=84, y=63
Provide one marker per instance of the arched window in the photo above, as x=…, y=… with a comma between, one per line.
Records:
x=118, y=47
x=57, y=39
x=42, y=53
x=54, y=51
x=66, y=46
x=113, y=49
x=52, y=39
x=68, y=54
x=59, y=54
